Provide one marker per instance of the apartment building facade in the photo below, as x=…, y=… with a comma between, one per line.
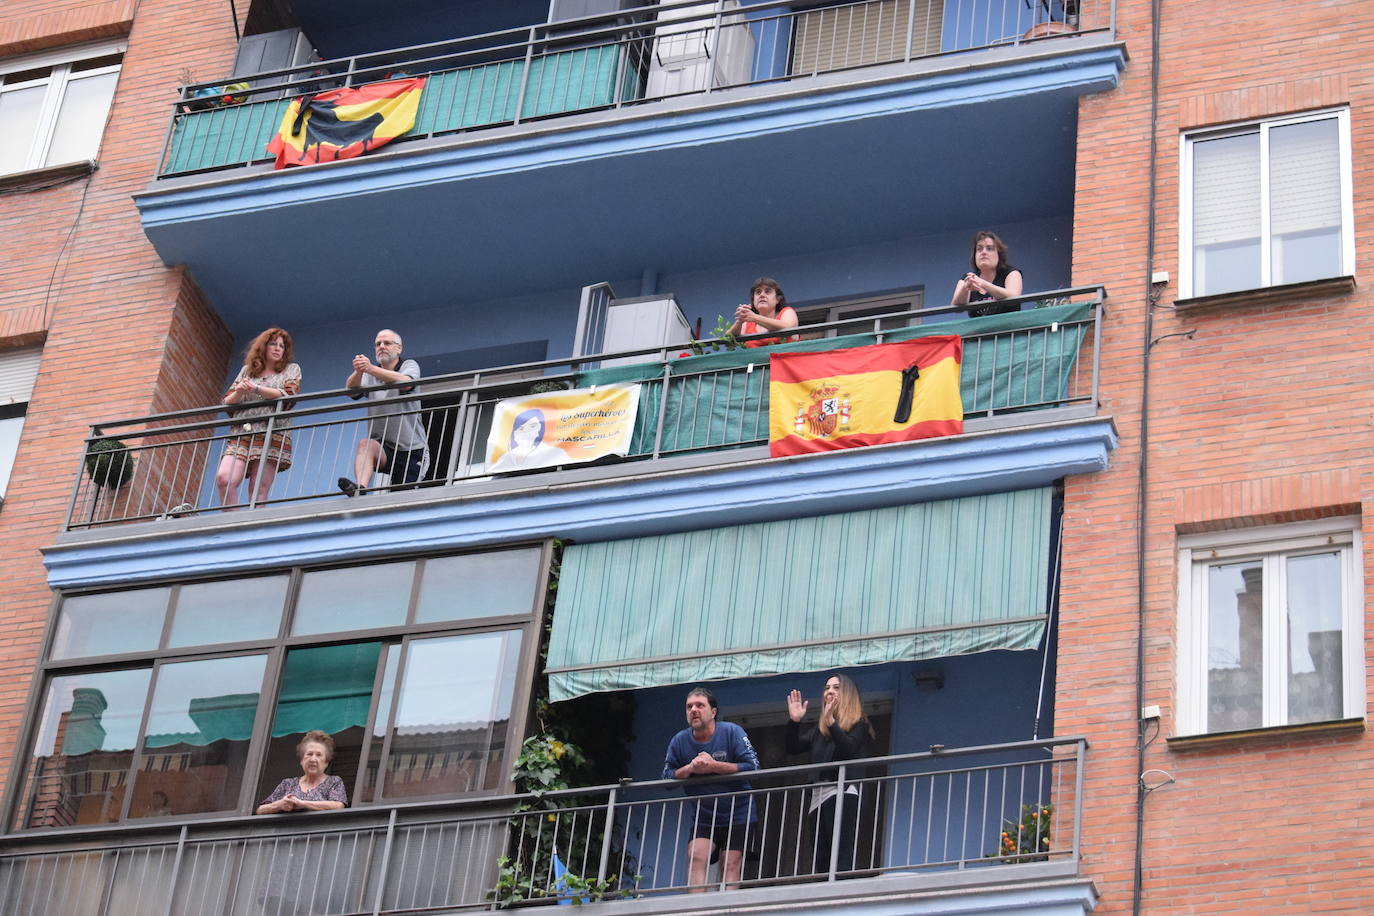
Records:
x=1128, y=598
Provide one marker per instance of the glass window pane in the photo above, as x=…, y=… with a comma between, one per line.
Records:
x=1314, y=632
x=327, y=688
x=10, y=430
x=81, y=120
x=110, y=623
x=450, y=736
x=84, y=748
x=199, y=728
x=1235, y=645
x=479, y=585
x=356, y=598
x=1305, y=200
x=229, y=611
x=1226, y=214
x=19, y=111
x=376, y=740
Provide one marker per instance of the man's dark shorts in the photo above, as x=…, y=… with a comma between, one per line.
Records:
x=402, y=466
x=725, y=836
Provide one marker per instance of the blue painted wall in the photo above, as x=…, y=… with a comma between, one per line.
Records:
x=1042, y=248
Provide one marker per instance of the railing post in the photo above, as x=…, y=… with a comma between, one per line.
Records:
x=460, y=436
x=176, y=871
x=167, y=134
x=266, y=450
x=386, y=864
x=1079, y=758
x=1097, y=341
x=836, y=825
x=525, y=77
x=712, y=60
x=76, y=484
x=662, y=408
x=605, y=862
x=910, y=29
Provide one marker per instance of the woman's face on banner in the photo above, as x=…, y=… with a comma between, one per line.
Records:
x=527, y=435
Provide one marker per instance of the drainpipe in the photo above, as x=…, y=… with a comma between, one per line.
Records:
x=1143, y=477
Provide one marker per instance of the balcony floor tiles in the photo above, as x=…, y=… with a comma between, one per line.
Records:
x=591, y=504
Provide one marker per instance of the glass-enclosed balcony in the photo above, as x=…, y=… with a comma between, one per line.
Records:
x=988, y=828
x=628, y=59
x=694, y=409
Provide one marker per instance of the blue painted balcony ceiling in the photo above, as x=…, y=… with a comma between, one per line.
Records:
x=739, y=175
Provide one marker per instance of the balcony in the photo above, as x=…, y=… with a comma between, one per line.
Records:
x=982, y=827
x=628, y=60
x=611, y=146
x=1023, y=369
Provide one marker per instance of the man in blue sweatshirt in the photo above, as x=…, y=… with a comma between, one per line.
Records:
x=723, y=823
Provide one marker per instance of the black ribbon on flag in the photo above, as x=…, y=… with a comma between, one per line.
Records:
x=909, y=376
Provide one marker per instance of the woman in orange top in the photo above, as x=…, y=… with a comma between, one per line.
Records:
x=769, y=312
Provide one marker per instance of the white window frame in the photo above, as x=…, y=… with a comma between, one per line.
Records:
x=1185, y=217
x=18, y=371
x=61, y=61
x=1269, y=545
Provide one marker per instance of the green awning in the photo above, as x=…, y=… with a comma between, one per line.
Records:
x=327, y=688
x=941, y=578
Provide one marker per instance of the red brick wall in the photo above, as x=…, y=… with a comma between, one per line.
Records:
x=125, y=335
x=1266, y=415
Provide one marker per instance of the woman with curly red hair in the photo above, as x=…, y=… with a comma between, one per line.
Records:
x=267, y=374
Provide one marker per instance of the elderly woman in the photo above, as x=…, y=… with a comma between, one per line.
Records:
x=842, y=733
x=991, y=279
x=312, y=790
x=267, y=374
x=768, y=311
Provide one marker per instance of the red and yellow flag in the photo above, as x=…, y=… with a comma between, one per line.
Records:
x=343, y=123
x=819, y=402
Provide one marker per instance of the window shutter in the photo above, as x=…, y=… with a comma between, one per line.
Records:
x=18, y=369
x=1305, y=177
x=864, y=33
x=1226, y=190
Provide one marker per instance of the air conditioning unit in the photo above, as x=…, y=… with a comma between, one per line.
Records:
x=266, y=51
x=688, y=56
x=644, y=321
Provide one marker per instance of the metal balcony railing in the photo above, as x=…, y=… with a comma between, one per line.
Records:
x=991, y=813
x=1016, y=368
x=613, y=61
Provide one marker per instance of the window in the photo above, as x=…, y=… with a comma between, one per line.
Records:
x=53, y=106
x=18, y=369
x=870, y=308
x=189, y=699
x=1266, y=204
x=1270, y=627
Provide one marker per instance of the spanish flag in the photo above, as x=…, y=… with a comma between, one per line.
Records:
x=344, y=123
x=818, y=402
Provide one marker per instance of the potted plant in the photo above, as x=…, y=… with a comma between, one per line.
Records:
x=109, y=464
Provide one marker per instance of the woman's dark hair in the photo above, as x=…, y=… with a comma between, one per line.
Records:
x=523, y=417
x=316, y=737
x=705, y=694
x=1002, y=262
x=768, y=283
x=256, y=356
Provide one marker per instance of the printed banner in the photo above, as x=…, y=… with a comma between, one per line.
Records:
x=562, y=427
x=819, y=402
x=344, y=123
